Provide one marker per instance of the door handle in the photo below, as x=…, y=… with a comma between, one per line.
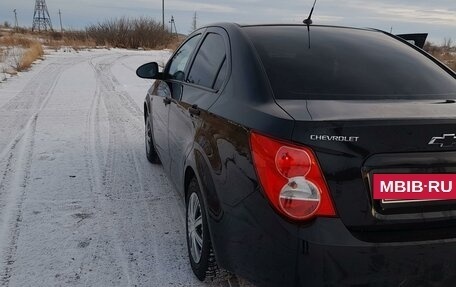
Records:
x=194, y=110
x=167, y=101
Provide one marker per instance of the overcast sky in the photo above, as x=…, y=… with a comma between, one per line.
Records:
x=437, y=17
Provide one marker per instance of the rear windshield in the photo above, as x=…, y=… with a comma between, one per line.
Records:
x=328, y=62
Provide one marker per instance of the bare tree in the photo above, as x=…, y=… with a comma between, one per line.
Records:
x=447, y=43
x=129, y=33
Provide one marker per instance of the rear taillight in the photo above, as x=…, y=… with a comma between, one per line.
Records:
x=291, y=178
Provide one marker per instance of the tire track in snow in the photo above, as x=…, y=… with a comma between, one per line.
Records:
x=106, y=245
x=17, y=183
x=119, y=160
x=126, y=120
x=137, y=193
x=21, y=112
x=29, y=102
x=21, y=117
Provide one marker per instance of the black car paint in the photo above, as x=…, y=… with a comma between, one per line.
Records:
x=358, y=248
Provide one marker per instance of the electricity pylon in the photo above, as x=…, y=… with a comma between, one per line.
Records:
x=41, y=18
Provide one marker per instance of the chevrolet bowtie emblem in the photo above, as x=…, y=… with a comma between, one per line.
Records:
x=447, y=140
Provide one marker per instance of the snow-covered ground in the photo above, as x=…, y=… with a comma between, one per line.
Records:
x=79, y=203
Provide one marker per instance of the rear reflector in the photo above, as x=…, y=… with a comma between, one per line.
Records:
x=291, y=178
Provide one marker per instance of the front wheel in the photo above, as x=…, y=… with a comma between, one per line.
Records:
x=201, y=254
x=151, y=153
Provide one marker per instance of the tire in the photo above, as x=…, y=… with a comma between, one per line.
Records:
x=200, y=252
x=151, y=153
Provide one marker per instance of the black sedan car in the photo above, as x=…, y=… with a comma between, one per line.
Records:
x=274, y=134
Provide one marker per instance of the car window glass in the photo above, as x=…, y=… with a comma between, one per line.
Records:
x=221, y=76
x=341, y=63
x=180, y=59
x=208, y=61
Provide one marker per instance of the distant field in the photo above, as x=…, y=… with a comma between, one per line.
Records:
x=20, y=47
x=445, y=53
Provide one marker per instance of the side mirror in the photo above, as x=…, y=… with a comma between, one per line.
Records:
x=148, y=71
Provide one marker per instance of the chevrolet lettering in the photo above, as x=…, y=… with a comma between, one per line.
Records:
x=334, y=138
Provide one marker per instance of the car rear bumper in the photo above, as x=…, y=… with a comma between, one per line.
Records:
x=262, y=247
x=331, y=256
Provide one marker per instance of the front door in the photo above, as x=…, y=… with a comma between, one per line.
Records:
x=168, y=90
x=194, y=97
x=160, y=114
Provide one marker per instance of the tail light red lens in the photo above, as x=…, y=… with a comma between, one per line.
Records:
x=291, y=178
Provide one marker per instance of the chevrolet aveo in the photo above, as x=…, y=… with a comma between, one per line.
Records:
x=274, y=135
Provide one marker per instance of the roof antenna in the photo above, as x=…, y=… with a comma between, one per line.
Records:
x=308, y=21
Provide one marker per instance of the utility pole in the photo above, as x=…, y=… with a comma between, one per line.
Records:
x=60, y=16
x=195, y=17
x=16, y=25
x=163, y=14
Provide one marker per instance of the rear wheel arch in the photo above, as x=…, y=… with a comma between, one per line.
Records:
x=208, y=266
x=189, y=174
x=146, y=111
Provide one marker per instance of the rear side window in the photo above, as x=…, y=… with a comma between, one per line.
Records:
x=221, y=76
x=341, y=63
x=209, y=63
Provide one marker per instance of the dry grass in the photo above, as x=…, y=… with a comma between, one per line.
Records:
x=173, y=44
x=33, y=53
x=22, y=50
x=129, y=33
x=75, y=39
x=16, y=40
x=447, y=58
x=445, y=53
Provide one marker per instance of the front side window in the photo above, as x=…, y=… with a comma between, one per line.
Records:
x=209, y=62
x=180, y=59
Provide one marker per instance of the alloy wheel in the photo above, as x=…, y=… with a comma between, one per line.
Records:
x=195, y=227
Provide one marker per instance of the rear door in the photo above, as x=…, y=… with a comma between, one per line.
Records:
x=206, y=77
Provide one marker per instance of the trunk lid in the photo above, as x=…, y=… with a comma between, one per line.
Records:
x=355, y=139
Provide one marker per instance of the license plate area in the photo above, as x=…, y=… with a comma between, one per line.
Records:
x=408, y=201
x=396, y=206
x=410, y=163
x=392, y=188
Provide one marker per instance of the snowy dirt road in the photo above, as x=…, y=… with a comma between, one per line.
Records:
x=79, y=203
